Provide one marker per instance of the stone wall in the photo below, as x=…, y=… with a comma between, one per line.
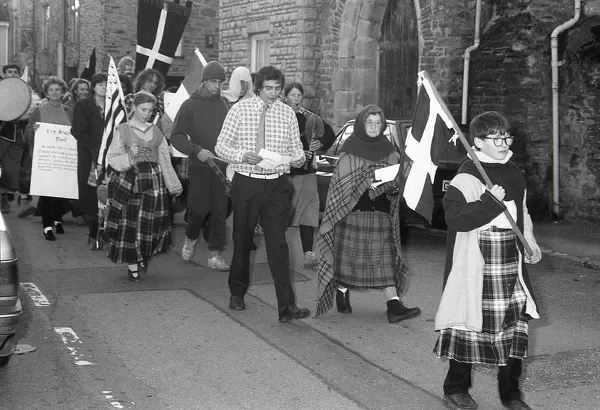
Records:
x=111, y=27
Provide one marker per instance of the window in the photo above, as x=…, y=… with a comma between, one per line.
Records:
x=3, y=42
x=73, y=21
x=259, y=51
x=46, y=26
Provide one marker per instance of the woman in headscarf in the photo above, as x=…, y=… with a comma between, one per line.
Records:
x=240, y=86
x=359, y=239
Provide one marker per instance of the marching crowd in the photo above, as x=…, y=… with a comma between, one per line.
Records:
x=230, y=138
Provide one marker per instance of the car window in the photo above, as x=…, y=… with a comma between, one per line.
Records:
x=390, y=132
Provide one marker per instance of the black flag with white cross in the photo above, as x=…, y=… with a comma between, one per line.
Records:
x=160, y=27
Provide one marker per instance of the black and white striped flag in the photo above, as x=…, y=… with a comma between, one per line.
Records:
x=114, y=111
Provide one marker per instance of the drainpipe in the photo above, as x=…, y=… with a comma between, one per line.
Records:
x=555, y=128
x=467, y=56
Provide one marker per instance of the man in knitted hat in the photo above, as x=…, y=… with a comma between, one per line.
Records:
x=195, y=131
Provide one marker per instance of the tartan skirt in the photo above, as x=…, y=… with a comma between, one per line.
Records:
x=505, y=328
x=138, y=222
x=305, y=200
x=364, y=255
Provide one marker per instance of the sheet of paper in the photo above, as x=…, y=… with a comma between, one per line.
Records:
x=387, y=174
x=54, y=168
x=272, y=159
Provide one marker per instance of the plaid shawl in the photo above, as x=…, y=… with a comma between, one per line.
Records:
x=351, y=178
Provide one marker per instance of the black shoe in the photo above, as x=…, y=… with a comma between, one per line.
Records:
x=134, y=276
x=236, y=303
x=143, y=266
x=396, y=311
x=461, y=400
x=95, y=243
x=59, y=229
x=49, y=235
x=516, y=404
x=290, y=312
x=342, y=300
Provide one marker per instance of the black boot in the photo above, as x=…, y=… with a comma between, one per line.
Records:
x=396, y=311
x=342, y=300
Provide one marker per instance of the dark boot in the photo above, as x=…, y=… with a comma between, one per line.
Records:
x=342, y=300
x=396, y=311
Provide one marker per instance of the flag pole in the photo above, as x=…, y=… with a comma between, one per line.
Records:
x=476, y=161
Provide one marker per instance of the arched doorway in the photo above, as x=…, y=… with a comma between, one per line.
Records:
x=398, y=59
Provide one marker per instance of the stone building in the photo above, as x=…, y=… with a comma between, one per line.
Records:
x=58, y=36
x=349, y=53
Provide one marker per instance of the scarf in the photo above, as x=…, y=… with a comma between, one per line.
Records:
x=361, y=145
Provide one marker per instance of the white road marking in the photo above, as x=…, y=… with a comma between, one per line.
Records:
x=73, y=343
x=35, y=294
x=114, y=403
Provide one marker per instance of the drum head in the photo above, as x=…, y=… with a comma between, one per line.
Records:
x=15, y=98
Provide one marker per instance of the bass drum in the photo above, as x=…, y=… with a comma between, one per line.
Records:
x=15, y=98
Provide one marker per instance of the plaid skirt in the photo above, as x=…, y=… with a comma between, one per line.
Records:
x=305, y=200
x=364, y=255
x=138, y=222
x=504, y=331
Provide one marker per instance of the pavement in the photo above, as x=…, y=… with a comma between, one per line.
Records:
x=200, y=351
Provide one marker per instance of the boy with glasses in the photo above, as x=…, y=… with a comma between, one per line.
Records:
x=487, y=298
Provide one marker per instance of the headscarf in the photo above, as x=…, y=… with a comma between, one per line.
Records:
x=361, y=145
x=235, y=86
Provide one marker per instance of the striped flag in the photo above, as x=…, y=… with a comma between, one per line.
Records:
x=429, y=139
x=114, y=111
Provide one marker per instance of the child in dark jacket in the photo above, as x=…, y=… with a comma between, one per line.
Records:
x=487, y=298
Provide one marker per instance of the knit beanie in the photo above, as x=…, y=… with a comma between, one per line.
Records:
x=213, y=71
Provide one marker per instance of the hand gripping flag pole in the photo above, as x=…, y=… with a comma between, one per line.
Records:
x=420, y=151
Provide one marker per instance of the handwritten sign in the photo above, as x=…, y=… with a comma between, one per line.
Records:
x=54, y=168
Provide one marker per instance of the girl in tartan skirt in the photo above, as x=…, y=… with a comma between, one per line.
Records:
x=487, y=299
x=138, y=222
x=359, y=238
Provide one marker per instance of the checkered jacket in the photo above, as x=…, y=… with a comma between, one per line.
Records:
x=240, y=130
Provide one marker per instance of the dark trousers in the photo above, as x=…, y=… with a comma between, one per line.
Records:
x=270, y=199
x=207, y=206
x=51, y=209
x=88, y=195
x=458, y=379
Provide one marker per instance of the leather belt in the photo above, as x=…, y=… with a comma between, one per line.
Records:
x=273, y=175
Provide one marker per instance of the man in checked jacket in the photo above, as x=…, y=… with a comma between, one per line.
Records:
x=254, y=123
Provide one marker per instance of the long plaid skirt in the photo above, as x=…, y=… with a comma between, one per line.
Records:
x=305, y=200
x=505, y=328
x=138, y=214
x=363, y=253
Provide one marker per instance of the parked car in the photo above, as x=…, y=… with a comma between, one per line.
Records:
x=10, y=302
x=396, y=132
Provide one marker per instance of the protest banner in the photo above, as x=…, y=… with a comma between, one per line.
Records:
x=54, y=168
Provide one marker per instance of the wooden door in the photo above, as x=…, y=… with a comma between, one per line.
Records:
x=398, y=60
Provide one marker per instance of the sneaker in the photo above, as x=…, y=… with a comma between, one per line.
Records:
x=258, y=230
x=310, y=259
x=189, y=246
x=218, y=263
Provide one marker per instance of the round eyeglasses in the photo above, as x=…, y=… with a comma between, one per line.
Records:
x=499, y=140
